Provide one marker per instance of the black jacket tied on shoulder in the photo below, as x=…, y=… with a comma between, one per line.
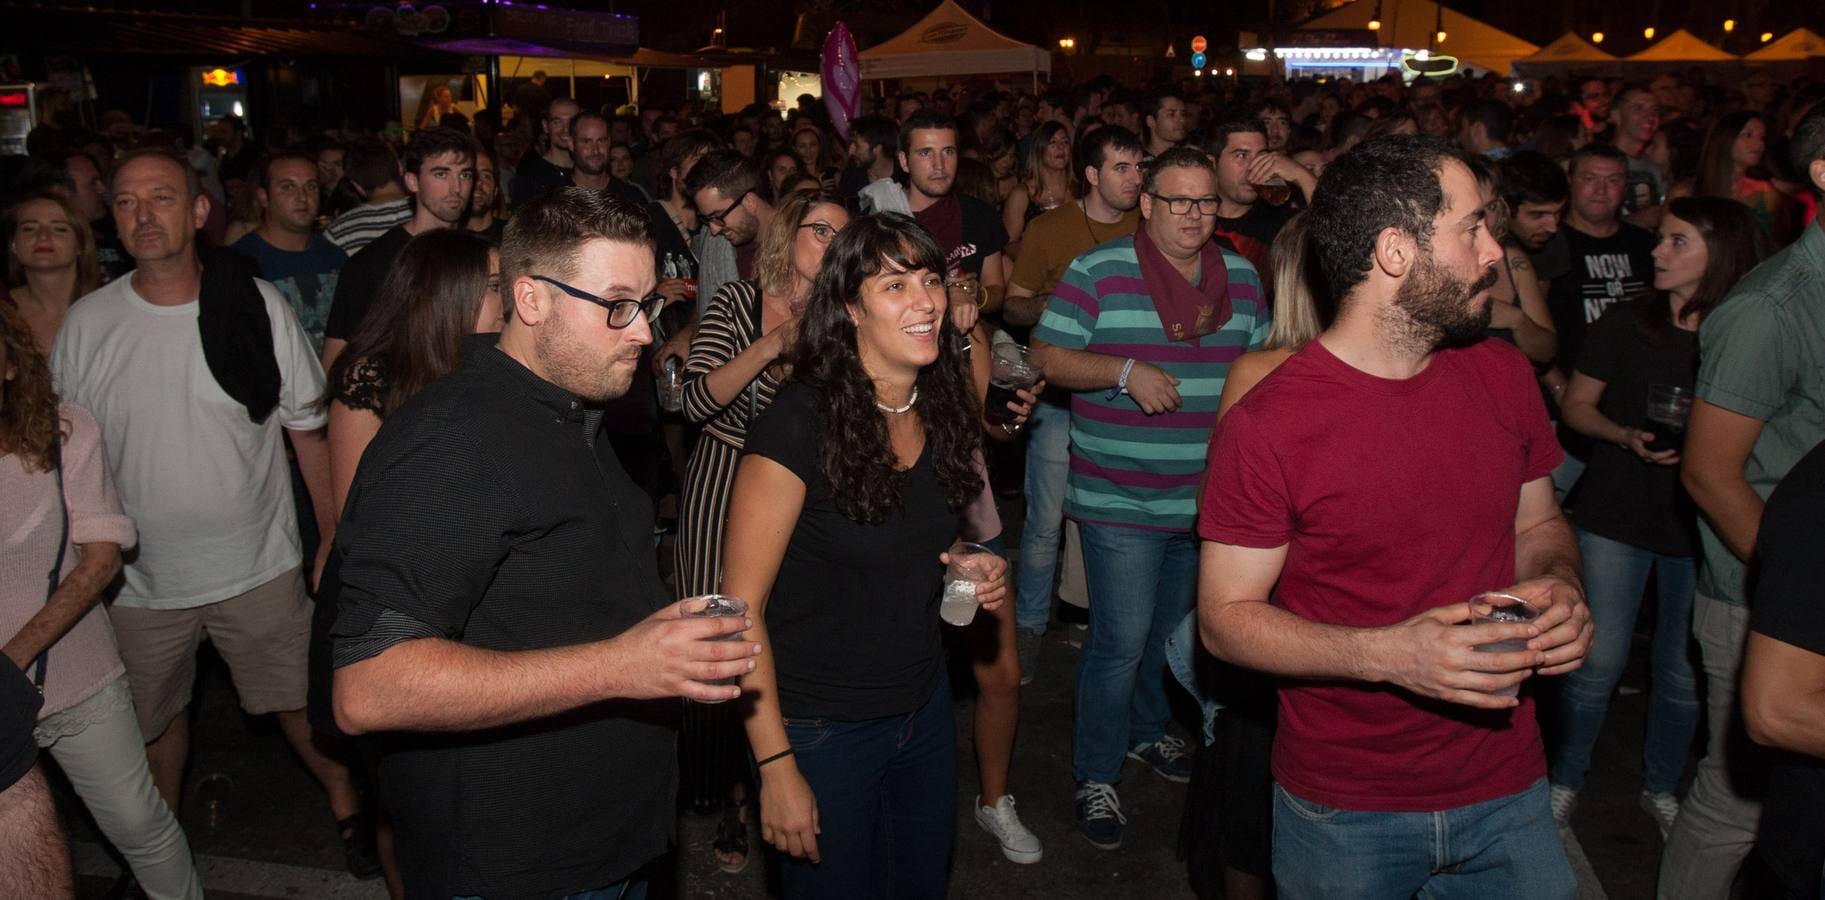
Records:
x=237, y=333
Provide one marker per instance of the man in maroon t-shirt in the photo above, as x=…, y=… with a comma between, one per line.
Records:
x=1377, y=480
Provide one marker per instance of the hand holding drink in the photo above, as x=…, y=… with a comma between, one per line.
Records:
x=1011, y=372
x=971, y=565
x=1668, y=408
x=1500, y=609
x=718, y=606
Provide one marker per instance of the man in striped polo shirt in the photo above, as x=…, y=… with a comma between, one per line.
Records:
x=1142, y=330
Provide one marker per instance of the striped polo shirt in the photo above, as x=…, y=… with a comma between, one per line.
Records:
x=1128, y=468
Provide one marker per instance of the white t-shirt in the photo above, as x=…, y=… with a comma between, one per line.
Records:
x=209, y=488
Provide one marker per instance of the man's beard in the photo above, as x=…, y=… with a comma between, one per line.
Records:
x=572, y=366
x=1436, y=307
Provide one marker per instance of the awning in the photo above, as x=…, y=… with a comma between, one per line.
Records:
x=1682, y=46
x=1569, y=48
x=950, y=41
x=91, y=31
x=1798, y=44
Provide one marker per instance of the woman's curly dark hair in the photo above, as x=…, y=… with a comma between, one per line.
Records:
x=854, y=453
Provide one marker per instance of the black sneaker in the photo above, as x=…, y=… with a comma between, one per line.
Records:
x=1099, y=815
x=1167, y=757
x=359, y=852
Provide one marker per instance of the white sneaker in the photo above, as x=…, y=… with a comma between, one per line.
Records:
x=1663, y=807
x=1017, y=843
x=1562, y=799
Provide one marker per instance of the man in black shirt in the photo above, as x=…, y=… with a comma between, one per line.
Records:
x=501, y=616
x=440, y=172
x=968, y=231
x=589, y=149
x=1246, y=171
x=1784, y=676
x=1595, y=260
x=550, y=168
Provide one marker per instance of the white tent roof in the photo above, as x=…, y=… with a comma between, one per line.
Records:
x=1408, y=24
x=950, y=41
x=1800, y=43
x=1682, y=46
x=1570, y=48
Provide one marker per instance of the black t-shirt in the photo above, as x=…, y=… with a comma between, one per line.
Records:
x=360, y=281
x=1623, y=497
x=1787, y=608
x=1253, y=235
x=533, y=178
x=19, y=705
x=853, y=615
x=489, y=511
x=1593, y=274
x=983, y=236
x=110, y=253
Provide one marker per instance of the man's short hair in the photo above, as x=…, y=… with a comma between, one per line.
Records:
x=1217, y=140
x=729, y=172
x=1094, y=147
x=879, y=132
x=436, y=142
x=1348, y=124
x=924, y=120
x=1391, y=181
x=1158, y=99
x=1532, y=177
x=1809, y=146
x=546, y=234
x=1596, y=150
x=273, y=159
x=193, y=183
x=370, y=164
x=1176, y=158
x=586, y=114
x=1495, y=116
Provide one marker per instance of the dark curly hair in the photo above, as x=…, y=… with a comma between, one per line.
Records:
x=1388, y=182
x=854, y=453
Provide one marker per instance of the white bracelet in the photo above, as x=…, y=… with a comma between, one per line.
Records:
x=1121, y=384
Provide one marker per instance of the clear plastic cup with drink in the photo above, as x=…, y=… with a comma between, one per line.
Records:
x=970, y=565
x=1668, y=408
x=1010, y=371
x=671, y=386
x=717, y=606
x=1274, y=190
x=1504, y=609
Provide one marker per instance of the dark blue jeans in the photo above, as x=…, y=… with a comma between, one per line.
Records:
x=886, y=794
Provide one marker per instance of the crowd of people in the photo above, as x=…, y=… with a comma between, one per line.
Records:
x=473, y=449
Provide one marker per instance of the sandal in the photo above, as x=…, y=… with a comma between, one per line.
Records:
x=731, y=840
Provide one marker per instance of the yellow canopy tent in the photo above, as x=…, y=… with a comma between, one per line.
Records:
x=1682, y=46
x=1798, y=44
x=1570, y=48
x=1409, y=25
x=950, y=41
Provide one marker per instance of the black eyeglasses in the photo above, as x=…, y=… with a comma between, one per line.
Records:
x=822, y=231
x=1179, y=206
x=621, y=313
x=722, y=217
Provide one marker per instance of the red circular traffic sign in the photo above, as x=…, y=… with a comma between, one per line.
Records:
x=1197, y=44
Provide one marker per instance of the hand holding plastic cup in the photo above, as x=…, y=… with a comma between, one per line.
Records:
x=1010, y=371
x=1504, y=609
x=716, y=606
x=1668, y=407
x=969, y=567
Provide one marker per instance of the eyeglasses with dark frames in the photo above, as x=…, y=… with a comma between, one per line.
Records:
x=1180, y=206
x=824, y=232
x=621, y=313
x=721, y=218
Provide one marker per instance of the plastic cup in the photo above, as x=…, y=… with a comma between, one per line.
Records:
x=717, y=606
x=671, y=387
x=1668, y=408
x=969, y=567
x=1010, y=371
x=1504, y=609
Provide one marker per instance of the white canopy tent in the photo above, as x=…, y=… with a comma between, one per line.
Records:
x=950, y=41
x=1798, y=44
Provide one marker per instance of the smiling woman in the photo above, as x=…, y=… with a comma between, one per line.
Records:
x=850, y=488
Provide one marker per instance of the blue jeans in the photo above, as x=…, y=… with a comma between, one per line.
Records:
x=1615, y=575
x=1048, y=464
x=1142, y=583
x=633, y=888
x=1506, y=847
x=886, y=794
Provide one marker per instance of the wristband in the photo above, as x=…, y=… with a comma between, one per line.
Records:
x=774, y=758
x=1121, y=384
